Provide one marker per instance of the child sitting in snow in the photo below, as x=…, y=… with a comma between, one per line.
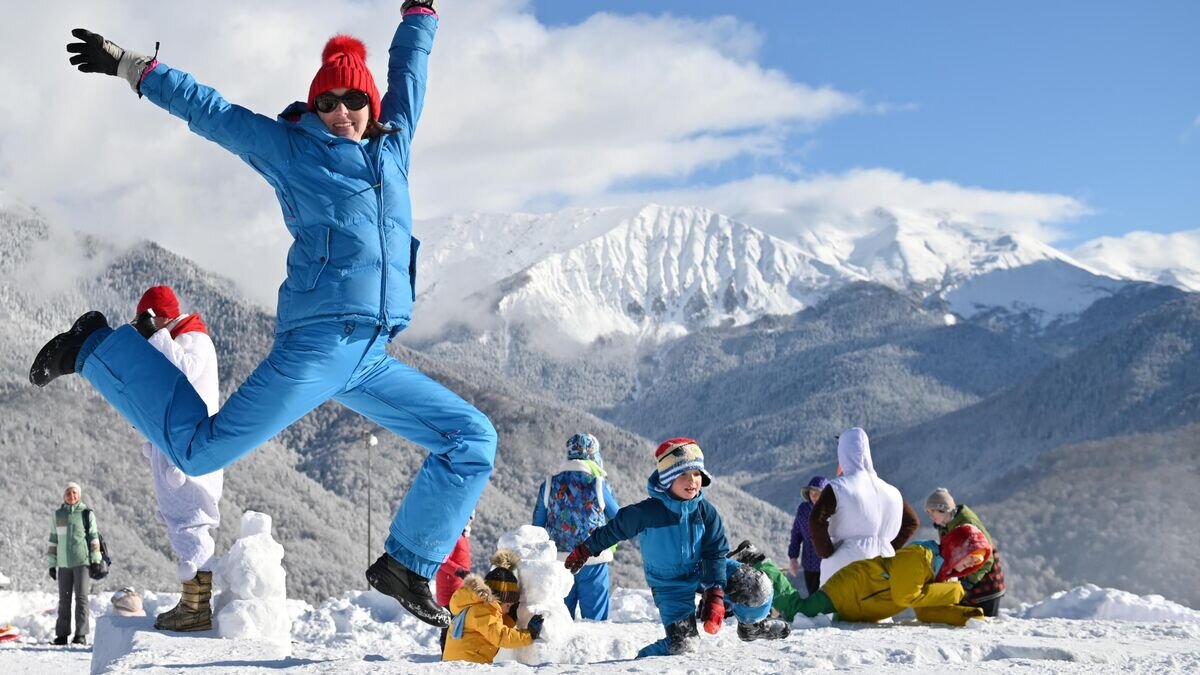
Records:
x=683, y=546
x=922, y=575
x=749, y=594
x=483, y=611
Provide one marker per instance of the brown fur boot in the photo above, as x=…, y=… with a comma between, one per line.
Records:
x=194, y=611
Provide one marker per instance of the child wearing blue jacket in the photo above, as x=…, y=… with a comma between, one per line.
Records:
x=339, y=164
x=683, y=546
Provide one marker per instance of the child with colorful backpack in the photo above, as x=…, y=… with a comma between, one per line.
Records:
x=483, y=611
x=683, y=546
x=572, y=504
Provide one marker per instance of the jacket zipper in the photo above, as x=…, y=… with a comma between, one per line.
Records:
x=377, y=172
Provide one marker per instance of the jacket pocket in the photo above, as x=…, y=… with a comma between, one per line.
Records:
x=321, y=245
x=412, y=265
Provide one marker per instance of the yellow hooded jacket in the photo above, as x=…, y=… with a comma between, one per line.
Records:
x=878, y=588
x=486, y=630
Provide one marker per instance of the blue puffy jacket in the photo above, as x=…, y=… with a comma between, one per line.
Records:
x=678, y=538
x=345, y=202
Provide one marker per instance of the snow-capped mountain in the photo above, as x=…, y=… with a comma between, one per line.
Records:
x=658, y=272
x=652, y=272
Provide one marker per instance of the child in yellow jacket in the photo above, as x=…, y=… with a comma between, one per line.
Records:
x=483, y=622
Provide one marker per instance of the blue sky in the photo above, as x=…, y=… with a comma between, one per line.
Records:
x=1096, y=100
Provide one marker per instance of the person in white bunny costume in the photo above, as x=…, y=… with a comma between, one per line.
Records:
x=187, y=505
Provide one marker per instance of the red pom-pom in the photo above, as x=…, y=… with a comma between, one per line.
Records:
x=344, y=44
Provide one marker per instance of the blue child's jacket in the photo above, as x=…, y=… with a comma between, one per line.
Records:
x=679, y=539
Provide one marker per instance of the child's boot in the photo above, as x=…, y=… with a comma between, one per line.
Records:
x=767, y=629
x=683, y=636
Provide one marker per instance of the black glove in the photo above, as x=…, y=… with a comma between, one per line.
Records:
x=512, y=611
x=409, y=4
x=54, y=573
x=144, y=323
x=535, y=625
x=95, y=571
x=462, y=572
x=94, y=54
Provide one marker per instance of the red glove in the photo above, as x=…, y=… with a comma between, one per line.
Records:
x=578, y=558
x=712, y=610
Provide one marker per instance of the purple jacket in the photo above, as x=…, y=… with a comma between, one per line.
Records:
x=811, y=562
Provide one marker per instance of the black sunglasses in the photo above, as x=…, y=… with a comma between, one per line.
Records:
x=354, y=100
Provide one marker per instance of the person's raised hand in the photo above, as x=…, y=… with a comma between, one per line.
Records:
x=94, y=54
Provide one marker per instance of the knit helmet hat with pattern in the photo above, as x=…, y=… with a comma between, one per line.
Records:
x=674, y=456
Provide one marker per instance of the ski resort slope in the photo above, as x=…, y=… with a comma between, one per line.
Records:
x=1085, y=630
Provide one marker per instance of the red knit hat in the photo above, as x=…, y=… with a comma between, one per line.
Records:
x=959, y=543
x=162, y=300
x=344, y=64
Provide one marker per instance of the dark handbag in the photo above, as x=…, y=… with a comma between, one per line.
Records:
x=96, y=570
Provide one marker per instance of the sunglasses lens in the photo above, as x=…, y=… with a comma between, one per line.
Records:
x=327, y=102
x=355, y=100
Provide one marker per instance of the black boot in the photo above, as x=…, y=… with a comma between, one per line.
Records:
x=79, y=640
x=682, y=636
x=411, y=589
x=57, y=358
x=60, y=640
x=747, y=553
x=767, y=629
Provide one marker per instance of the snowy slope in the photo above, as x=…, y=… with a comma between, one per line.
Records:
x=1086, y=630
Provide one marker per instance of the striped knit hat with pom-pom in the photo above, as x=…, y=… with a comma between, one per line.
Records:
x=677, y=455
x=344, y=64
x=503, y=579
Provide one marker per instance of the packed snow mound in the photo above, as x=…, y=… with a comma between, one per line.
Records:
x=252, y=603
x=544, y=583
x=1091, y=602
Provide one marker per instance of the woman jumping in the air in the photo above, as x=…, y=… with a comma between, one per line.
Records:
x=339, y=166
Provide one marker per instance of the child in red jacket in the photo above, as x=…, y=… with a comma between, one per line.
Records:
x=452, y=572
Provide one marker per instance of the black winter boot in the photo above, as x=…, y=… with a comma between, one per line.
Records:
x=682, y=636
x=767, y=629
x=747, y=553
x=60, y=640
x=57, y=358
x=411, y=589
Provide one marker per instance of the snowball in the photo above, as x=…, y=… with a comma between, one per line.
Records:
x=252, y=599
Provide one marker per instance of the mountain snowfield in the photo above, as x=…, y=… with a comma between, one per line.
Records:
x=1084, y=630
x=655, y=272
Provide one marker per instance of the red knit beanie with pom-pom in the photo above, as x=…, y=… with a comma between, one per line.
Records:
x=344, y=64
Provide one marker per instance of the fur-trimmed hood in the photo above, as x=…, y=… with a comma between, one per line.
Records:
x=472, y=592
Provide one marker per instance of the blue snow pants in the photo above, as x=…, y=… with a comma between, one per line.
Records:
x=676, y=601
x=345, y=361
x=590, y=593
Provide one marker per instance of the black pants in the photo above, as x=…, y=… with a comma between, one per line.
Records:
x=812, y=581
x=73, y=581
x=989, y=607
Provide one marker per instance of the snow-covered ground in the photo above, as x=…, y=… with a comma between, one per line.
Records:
x=1087, y=629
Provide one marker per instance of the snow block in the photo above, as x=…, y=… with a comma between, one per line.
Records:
x=131, y=643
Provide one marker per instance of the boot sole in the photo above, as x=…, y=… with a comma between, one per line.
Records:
x=41, y=372
x=375, y=581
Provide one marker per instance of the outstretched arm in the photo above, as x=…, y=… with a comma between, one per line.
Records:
x=408, y=64
x=259, y=140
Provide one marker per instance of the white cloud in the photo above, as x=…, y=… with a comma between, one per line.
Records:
x=517, y=113
x=1165, y=258
x=796, y=208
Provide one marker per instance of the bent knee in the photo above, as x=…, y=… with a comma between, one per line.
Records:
x=475, y=443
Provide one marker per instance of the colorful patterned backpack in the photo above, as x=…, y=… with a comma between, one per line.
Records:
x=574, y=503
